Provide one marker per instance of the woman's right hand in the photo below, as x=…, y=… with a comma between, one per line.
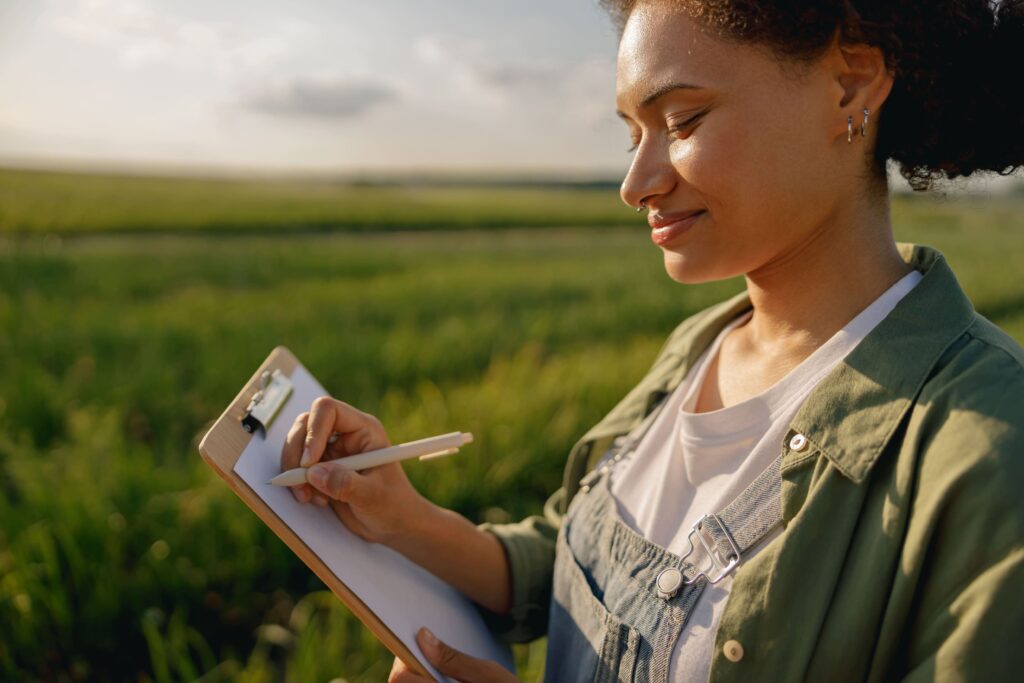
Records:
x=379, y=504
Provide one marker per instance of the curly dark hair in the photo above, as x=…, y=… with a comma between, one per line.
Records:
x=954, y=62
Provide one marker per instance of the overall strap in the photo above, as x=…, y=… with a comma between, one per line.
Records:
x=622, y=445
x=725, y=537
x=746, y=521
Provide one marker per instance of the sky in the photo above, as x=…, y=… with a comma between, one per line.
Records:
x=316, y=86
x=311, y=84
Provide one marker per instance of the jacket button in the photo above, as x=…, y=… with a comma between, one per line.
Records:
x=798, y=443
x=733, y=651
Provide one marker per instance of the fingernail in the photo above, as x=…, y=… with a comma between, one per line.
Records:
x=429, y=638
x=320, y=500
x=307, y=458
x=317, y=476
x=302, y=495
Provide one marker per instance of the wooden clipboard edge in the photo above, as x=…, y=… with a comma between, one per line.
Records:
x=222, y=446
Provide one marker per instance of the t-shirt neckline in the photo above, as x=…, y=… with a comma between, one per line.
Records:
x=751, y=415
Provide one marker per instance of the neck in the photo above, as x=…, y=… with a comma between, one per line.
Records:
x=811, y=291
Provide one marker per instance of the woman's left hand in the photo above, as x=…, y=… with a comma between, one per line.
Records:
x=450, y=662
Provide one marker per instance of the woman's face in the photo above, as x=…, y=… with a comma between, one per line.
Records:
x=725, y=129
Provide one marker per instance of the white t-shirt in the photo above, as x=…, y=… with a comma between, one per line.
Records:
x=689, y=464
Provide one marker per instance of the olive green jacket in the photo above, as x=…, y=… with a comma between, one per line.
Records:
x=902, y=555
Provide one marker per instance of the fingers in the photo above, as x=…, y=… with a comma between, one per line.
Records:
x=339, y=483
x=400, y=673
x=328, y=420
x=459, y=665
x=328, y=416
x=291, y=453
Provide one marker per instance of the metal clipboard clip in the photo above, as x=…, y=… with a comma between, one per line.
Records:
x=266, y=403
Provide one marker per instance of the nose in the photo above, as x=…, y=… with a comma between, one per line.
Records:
x=650, y=176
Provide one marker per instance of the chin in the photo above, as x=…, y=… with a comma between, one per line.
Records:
x=689, y=271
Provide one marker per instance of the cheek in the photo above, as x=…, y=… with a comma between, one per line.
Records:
x=795, y=163
x=723, y=164
x=753, y=173
x=736, y=173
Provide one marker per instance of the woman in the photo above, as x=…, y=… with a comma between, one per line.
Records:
x=818, y=478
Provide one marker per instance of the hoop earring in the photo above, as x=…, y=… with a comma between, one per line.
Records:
x=864, y=123
x=849, y=129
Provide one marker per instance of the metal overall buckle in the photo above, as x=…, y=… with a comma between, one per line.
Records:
x=711, y=551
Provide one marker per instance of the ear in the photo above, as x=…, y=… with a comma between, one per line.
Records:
x=860, y=78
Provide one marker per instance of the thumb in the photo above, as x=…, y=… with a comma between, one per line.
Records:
x=341, y=483
x=451, y=662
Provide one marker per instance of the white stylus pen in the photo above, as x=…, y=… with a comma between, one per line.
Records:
x=424, y=449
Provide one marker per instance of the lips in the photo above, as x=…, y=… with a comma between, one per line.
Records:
x=659, y=220
x=665, y=228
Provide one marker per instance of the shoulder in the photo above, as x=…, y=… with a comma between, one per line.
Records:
x=966, y=532
x=979, y=380
x=968, y=428
x=997, y=342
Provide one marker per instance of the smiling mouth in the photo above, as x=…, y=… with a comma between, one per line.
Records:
x=664, y=230
x=657, y=221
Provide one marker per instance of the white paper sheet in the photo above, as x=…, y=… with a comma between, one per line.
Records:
x=401, y=593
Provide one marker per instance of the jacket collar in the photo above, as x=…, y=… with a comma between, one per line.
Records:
x=852, y=413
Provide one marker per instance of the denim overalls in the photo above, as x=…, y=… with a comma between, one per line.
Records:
x=619, y=601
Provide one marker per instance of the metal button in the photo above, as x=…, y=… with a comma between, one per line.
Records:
x=798, y=443
x=669, y=582
x=733, y=651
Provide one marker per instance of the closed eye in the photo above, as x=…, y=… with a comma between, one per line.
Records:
x=685, y=125
x=676, y=128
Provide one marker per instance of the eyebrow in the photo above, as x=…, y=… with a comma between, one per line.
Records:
x=658, y=93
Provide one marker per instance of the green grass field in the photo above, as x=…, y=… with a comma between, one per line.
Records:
x=123, y=557
x=40, y=202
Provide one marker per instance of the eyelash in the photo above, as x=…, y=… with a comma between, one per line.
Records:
x=677, y=128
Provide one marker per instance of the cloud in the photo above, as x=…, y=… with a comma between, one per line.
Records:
x=319, y=97
x=479, y=72
x=515, y=76
x=141, y=35
x=580, y=90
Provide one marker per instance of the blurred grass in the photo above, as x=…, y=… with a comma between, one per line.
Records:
x=123, y=557
x=39, y=202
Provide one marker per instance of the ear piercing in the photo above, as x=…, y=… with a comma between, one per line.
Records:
x=863, y=125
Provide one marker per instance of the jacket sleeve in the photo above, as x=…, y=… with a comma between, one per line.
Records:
x=972, y=637
x=530, y=550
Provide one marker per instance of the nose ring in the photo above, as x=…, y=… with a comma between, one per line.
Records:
x=643, y=205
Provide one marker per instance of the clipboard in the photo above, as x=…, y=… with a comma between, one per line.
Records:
x=250, y=416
